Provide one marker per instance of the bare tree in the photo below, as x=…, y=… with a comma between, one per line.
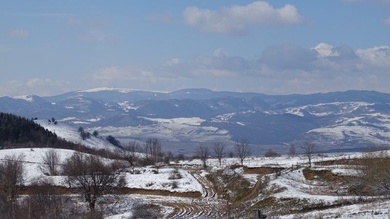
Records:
x=219, y=151
x=129, y=152
x=243, y=149
x=202, y=152
x=308, y=148
x=91, y=175
x=153, y=150
x=11, y=175
x=271, y=153
x=44, y=201
x=374, y=174
x=51, y=159
x=11, y=180
x=291, y=150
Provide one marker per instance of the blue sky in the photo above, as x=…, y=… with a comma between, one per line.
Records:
x=272, y=47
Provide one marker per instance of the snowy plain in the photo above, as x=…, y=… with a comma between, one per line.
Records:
x=291, y=182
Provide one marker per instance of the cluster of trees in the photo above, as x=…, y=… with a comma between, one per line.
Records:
x=90, y=175
x=85, y=135
x=242, y=150
x=16, y=130
x=373, y=174
x=52, y=120
x=11, y=180
x=149, y=153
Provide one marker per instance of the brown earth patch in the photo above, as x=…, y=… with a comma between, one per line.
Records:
x=325, y=175
x=28, y=190
x=262, y=170
x=159, y=192
x=339, y=162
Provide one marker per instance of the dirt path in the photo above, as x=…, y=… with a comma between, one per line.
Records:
x=253, y=193
x=208, y=187
x=196, y=209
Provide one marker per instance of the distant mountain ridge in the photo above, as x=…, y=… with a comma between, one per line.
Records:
x=336, y=119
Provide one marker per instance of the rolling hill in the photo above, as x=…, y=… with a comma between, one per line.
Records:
x=339, y=120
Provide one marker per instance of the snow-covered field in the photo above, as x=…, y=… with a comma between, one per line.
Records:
x=148, y=178
x=71, y=134
x=292, y=184
x=289, y=186
x=171, y=130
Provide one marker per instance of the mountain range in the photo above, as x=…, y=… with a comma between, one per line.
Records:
x=348, y=120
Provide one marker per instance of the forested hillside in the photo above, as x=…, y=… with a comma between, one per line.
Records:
x=16, y=131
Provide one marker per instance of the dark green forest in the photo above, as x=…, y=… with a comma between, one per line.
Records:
x=16, y=131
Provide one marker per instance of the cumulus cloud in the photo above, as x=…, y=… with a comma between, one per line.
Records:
x=238, y=19
x=294, y=69
x=18, y=33
x=376, y=57
x=280, y=69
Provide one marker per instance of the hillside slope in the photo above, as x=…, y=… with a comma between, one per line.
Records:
x=350, y=119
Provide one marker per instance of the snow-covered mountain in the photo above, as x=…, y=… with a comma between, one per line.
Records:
x=339, y=119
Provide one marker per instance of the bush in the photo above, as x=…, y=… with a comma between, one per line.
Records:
x=174, y=185
x=175, y=174
x=271, y=153
x=146, y=211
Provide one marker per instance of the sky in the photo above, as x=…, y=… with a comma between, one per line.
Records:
x=273, y=47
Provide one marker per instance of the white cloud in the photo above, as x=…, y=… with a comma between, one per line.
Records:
x=18, y=33
x=281, y=69
x=172, y=62
x=37, y=86
x=376, y=57
x=220, y=53
x=292, y=69
x=46, y=86
x=325, y=50
x=238, y=19
x=113, y=73
x=109, y=73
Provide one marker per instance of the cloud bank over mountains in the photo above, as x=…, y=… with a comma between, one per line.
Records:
x=280, y=69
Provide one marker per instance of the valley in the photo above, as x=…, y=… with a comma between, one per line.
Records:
x=346, y=121
x=166, y=161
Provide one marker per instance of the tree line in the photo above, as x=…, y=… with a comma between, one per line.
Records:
x=16, y=131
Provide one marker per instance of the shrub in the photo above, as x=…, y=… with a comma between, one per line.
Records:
x=271, y=153
x=146, y=211
x=175, y=174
